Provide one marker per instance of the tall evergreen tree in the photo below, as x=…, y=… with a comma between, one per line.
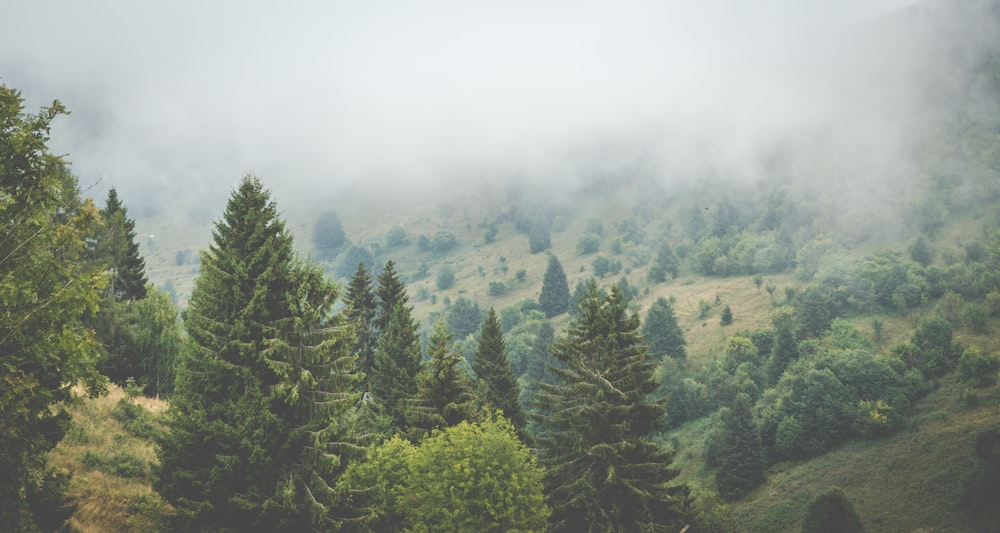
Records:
x=554, y=298
x=391, y=292
x=604, y=472
x=46, y=288
x=117, y=247
x=740, y=453
x=249, y=416
x=361, y=314
x=498, y=384
x=443, y=397
x=393, y=379
x=784, y=351
x=664, y=336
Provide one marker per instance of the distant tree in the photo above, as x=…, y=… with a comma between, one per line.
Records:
x=393, y=379
x=595, y=226
x=603, y=470
x=117, y=248
x=784, y=351
x=360, y=314
x=328, y=236
x=445, y=278
x=498, y=384
x=978, y=368
x=920, y=251
x=464, y=317
x=832, y=512
x=606, y=265
x=47, y=286
x=726, y=317
x=538, y=238
x=490, y=234
x=443, y=241
x=554, y=298
x=666, y=263
x=588, y=243
x=741, y=455
x=351, y=258
x=496, y=288
x=935, y=352
x=396, y=236
x=812, y=312
x=444, y=396
x=664, y=336
x=156, y=338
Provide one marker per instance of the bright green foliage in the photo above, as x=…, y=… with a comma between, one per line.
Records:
x=155, y=335
x=603, y=471
x=393, y=378
x=935, y=352
x=662, y=333
x=264, y=371
x=469, y=477
x=391, y=292
x=498, y=384
x=554, y=298
x=806, y=413
x=739, y=451
x=832, y=512
x=444, y=397
x=361, y=315
x=46, y=287
x=979, y=368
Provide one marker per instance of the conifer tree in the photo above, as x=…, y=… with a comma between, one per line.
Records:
x=664, y=336
x=740, y=453
x=784, y=351
x=393, y=379
x=498, y=384
x=604, y=472
x=554, y=298
x=361, y=314
x=443, y=397
x=391, y=291
x=251, y=413
x=118, y=248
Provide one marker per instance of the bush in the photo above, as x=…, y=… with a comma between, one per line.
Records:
x=589, y=243
x=445, y=278
x=490, y=234
x=978, y=368
x=497, y=288
x=443, y=241
x=396, y=236
x=606, y=265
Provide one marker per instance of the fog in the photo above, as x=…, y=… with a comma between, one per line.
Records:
x=173, y=102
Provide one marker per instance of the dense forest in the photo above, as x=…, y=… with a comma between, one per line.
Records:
x=813, y=349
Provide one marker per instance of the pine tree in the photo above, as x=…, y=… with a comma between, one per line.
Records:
x=117, y=247
x=664, y=336
x=361, y=314
x=740, y=453
x=499, y=388
x=443, y=396
x=251, y=410
x=393, y=379
x=604, y=472
x=726, y=317
x=391, y=291
x=554, y=298
x=784, y=351
x=46, y=287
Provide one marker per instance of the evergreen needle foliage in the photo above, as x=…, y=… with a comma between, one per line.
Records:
x=554, y=298
x=443, y=397
x=499, y=388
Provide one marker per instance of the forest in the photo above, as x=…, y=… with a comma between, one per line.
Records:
x=814, y=349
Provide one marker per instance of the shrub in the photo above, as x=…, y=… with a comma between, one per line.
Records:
x=589, y=243
x=978, y=368
x=443, y=241
x=497, y=288
x=396, y=236
x=445, y=278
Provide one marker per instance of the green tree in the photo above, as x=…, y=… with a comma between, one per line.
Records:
x=46, y=288
x=538, y=238
x=554, y=298
x=445, y=278
x=393, y=378
x=443, y=397
x=328, y=236
x=832, y=512
x=391, y=292
x=443, y=241
x=603, y=470
x=664, y=336
x=498, y=384
x=116, y=247
x=396, y=236
x=248, y=422
x=784, y=351
x=588, y=243
x=360, y=312
x=739, y=450
x=156, y=337
x=464, y=317
x=666, y=263
x=726, y=317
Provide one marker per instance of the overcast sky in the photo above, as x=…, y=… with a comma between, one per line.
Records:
x=178, y=99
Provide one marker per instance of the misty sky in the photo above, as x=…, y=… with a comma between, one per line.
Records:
x=177, y=100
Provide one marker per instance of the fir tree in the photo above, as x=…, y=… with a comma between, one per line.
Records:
x=498, y=387
x=664, y=336
x=391, y=291
x=784, y=351
x=393, y=379
x=361, y=314
x=538, y=238
x=554, y=298
x=443, y=396
x=604, y=472
x=726, y=317
x=116, y=247
x=251, y=414
x=740, y=453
